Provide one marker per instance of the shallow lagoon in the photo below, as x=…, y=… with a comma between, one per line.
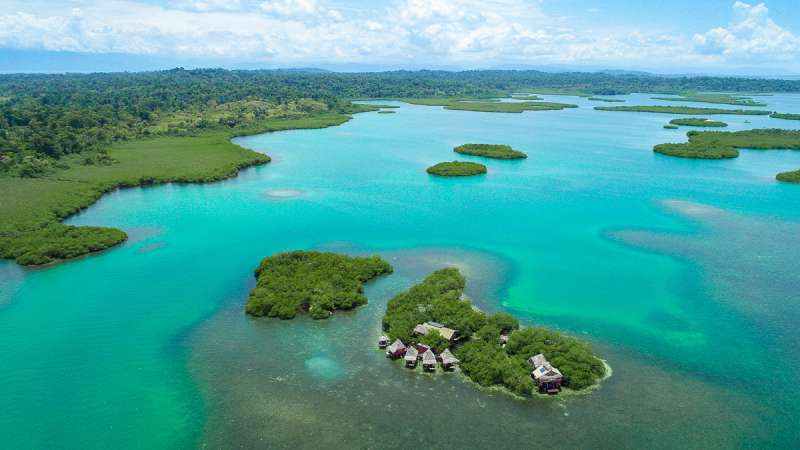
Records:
x=679, y=271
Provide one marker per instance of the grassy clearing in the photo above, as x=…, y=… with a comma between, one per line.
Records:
x=683, y=110
x=722, y=145
x=496, y=151
x=33, y=208
x=721, y=99
x=456, y=169
x=486, y=106
x=694, y=122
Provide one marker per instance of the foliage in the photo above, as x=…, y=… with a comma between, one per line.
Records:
x=607, y=100
x=386, y=112
x=435, y=341
x=693, y=122
x=496, y=151
x=319, y=283
x=483, y=360
x=720, y=145
x=789, y=177
x=437, y=298
x=722, y=99
x=456, y=169
x=683, y=110
x=785, y=116
x=488, y=106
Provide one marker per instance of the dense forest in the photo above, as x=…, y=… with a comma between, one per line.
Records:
x=44, y=118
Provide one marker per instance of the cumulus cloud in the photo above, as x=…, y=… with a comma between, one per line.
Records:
x=419, y=32
x=752, y=34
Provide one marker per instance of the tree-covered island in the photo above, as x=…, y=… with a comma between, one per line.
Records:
x=488, y=105
x=456, y=169
x=785, y=116
x=698, y=122
x=721, y=144
x=494, y=151
x=319, y=283
x=493, y=350
x=721, y=99
x=789, y=177
x=683, y=110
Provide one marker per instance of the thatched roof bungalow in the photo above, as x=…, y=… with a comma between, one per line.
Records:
x=447, y=333
x=383, y=341
x=429, y=360
x=449, y=360
x=396, y=350
x=547, y=377
x=411, y=357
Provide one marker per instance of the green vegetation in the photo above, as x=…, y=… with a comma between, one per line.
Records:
x=693, y=122
x=386, y=112
x=496, y=151
x=722, y=99
x=320, y=283
x=31, y=232
x=683, y=110
x=526, y=97
x=785, y=116
x=456, y=169
x=488, y=106
x=438, y=298
x=720, y=144
x=607, y=100
x=789, y=177
x=671, y=127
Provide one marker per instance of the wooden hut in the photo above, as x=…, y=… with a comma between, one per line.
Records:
x=429, y=360
x=411, y=357
x=503, y=340
x=383, y=341
x=396, y=350
x=447, y=333
x=449, y=360
x=547, y=377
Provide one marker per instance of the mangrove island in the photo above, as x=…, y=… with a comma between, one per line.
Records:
x=785, y=116
x=315, y=282
x=789, y=177
x=722, y=144
x=495, y=151
x=456, y=169
x=433, y=318
x=695, y=122
x=683, y=110
x=721, y=99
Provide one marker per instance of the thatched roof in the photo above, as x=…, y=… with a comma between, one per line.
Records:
x=544, y=374
x=383, y=338
x=425, y=328
x=396, y=346
x=448, y=358
x=411, y=353
x=428, y=358
x=538, y=361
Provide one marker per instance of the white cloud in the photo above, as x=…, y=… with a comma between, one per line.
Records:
x=418, y=32
x=752, y=34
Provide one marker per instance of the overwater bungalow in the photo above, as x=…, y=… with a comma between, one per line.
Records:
x=547, y=377
x=429, y=360
x=383, y=341
x=411, y=357
x=503, y=340
x=396, y=350
x=447, y=333
x=449, y=360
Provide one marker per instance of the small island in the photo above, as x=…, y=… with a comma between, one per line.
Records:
x=789, y=177
x=721, y=99
x=488, y=105
x=386, y=111
x=432, y=318
x=606, y=100
x=495, y=151
x=698, y=122
x=314, y=282
x=456, y=169
x=671, y=127
x=785, y=116
x=722, y=145
x=683, y=110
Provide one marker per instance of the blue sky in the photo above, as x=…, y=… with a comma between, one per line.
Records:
x=676, y=36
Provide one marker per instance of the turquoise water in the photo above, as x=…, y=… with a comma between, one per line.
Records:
x=681, y=273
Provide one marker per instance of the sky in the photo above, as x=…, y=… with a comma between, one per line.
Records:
x=676, y=36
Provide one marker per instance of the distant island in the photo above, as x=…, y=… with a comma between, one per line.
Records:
x=683, y=110
x=456, y=169
x=319, y=283
x=789, y=177
x=607, y=100
x=495, y=151
x=432, y=318
x=722, y=144
x=488, y=105
x=671, y=127
x=722, y=99
x=693, y=122
x=785, y=116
